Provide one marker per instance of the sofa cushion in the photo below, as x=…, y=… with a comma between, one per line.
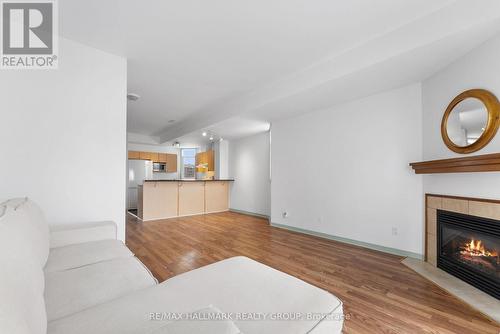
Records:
x=76, y=233
x=16, y=251
x=22, y=307
x=209, y=320
x=13, y=202
x=78, y=255
x=70, y=291
x=236, y=285
x=34, y=225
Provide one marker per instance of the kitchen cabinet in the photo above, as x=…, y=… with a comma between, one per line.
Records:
x=191, y=198
x=206, y=157
x=171, y=160
x=162, y=157
x=140, y=201
x=170, y=198
x=145, y=155
x=153, y=156
x=159, y=200
x=134, y=155
x=198, y=158
x=210, y=160
x=216, y=196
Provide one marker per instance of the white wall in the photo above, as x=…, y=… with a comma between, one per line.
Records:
x=478, y=69
x=249, y=165
x=221, y=152
x=63, y=136
x=344, y=171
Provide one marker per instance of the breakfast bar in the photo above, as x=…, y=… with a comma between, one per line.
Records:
x=161, y=199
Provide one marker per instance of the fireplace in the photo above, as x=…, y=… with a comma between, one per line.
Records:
x=468, y=247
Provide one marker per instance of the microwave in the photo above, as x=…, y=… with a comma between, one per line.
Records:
x=159, y=167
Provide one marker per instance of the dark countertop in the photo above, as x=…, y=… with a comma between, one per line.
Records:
x=190, y=180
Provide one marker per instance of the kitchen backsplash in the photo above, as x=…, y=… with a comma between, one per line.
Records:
x=165, y=176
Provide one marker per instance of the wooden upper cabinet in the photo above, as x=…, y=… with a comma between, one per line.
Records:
x=134, y=155
x=171, y=160
x=206, y=158
x=154, y=156
x=145, y=155
x=199, y=158
x=162, y=157
x=210, y=160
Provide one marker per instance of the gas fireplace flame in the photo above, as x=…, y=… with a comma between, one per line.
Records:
x=476, y=248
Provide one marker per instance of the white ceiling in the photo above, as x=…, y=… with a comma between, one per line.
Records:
x=229, y=129
x=202, y=62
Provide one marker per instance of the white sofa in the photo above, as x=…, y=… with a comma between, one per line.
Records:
x=79, y=279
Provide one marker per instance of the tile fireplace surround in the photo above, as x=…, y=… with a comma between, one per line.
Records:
x=469, y=206
x=483, y=208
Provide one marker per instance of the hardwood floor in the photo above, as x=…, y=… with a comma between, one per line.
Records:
x=380, y=294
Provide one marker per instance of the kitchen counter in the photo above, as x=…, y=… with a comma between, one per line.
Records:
x=190, y=180
x=162, y=199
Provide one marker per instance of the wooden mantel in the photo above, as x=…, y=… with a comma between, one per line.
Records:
x=470, y=164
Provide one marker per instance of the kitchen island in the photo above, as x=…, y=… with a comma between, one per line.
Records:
x=162, y=199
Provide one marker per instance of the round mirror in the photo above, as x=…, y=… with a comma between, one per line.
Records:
x=467, y=122
x=470, y=121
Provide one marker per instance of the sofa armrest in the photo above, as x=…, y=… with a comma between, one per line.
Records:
x=63, y=235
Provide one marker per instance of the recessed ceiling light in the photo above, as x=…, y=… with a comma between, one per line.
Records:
x=133, y=97
x=204, y=134
x=211, y=137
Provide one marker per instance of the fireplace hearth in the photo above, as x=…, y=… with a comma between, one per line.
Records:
x=469, y=248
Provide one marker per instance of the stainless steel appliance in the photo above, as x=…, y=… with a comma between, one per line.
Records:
x=159, y=167
x=138, y=171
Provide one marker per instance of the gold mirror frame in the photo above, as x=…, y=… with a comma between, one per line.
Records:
x=492, y=106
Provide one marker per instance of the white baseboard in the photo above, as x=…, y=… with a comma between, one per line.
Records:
x=248, y=213
x=368, y=245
